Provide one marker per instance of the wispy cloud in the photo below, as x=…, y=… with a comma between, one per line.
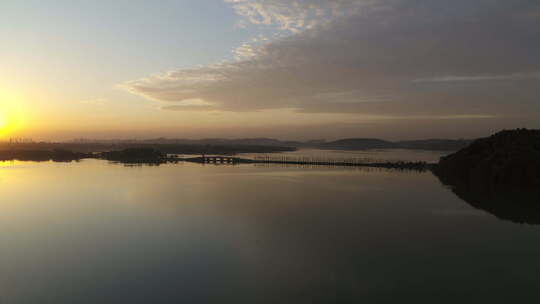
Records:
x=515, y=77
x=295, y=16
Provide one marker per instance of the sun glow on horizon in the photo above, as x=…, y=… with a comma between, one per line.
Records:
x=11, y=115
x=7, y=125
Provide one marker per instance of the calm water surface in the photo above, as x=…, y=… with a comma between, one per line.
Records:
x=95, y=232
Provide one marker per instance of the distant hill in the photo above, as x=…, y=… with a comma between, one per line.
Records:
x=374, y=143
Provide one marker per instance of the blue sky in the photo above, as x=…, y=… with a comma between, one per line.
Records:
x=171, y=33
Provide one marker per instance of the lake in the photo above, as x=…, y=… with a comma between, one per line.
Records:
x=98, y=232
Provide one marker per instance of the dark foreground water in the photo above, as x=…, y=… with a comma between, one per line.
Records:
x=94, y=232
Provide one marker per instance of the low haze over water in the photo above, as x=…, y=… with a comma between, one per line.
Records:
x=99, y=232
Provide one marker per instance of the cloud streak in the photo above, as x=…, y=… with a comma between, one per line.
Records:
x=380, y=57
x=515, y=77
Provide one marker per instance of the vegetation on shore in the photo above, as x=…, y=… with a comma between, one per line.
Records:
x=509, y=157
x=133, y=155
x=42, y=155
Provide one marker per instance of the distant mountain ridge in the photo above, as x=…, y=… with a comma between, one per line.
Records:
x=374, y=143
x=342, y=144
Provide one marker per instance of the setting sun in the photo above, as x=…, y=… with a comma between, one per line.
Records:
x=10, y=121
x=4, y=125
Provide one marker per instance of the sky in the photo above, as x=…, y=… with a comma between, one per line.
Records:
x=305, y=69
